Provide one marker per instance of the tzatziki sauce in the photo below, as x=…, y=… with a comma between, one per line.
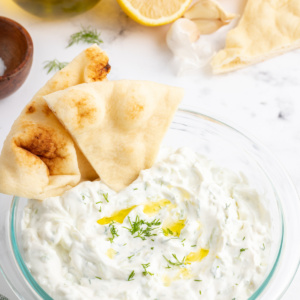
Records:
x=184, y=229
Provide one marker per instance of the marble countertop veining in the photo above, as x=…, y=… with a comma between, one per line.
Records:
x=262, y=100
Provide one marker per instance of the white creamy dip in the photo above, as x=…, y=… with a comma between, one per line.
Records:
x=2, y=67
x=185, y=229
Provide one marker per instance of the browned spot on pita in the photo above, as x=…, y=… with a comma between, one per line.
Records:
x=134, y=110
x=44, y=143
x=85, y=113
x=30, y=109
x=46, y=110
x=99, y=66
x=60, y=85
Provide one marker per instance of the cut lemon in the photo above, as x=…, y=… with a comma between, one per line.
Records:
x=154, y=12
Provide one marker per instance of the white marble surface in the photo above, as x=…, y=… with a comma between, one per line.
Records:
x=263, y=100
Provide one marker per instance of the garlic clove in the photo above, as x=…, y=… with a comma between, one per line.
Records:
x=208, y=15
x=208, y=26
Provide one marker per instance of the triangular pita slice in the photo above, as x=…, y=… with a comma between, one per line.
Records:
x=118, y=125
x=266, y=29
x=39, y=158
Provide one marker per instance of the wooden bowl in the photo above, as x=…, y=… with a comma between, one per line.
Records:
x=16, y=50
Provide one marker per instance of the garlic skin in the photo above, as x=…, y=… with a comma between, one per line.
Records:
x=180, y=37
x=190, y=52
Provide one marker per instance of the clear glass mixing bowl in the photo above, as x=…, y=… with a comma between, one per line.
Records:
x=229, y=148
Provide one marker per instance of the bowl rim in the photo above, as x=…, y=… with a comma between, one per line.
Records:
x=274, y=267
x=29, y=50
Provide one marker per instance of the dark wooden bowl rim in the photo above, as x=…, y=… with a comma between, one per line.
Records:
x=29, y=49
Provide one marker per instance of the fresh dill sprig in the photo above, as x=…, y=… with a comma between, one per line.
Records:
x=54, y=65
x=105, y=196
x=145, y=267
x=130, y=277
x=177, y=262
x=141, y=228
x=86, y=35
x=113, y=231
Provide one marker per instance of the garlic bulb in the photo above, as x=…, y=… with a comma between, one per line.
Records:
x=191, y=52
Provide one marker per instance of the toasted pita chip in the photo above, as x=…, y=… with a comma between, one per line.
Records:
x=39, y=158
x=118, y=125
x=208, y=15
x=266, y=29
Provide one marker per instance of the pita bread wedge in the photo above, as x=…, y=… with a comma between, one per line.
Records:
x=266, y=29
x=39, y=158
x=118, y=125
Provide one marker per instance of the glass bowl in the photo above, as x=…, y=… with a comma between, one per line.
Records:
x=228, y=147
x=56, y=8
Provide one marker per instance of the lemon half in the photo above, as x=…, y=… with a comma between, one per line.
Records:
x=154, y=12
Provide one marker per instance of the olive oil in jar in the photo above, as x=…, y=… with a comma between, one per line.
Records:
x=56, y=8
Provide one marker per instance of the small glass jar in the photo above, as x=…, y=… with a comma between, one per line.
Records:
x=56, y=8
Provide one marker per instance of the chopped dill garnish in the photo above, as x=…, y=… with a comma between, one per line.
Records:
x=183, y=242
x=99, y=202
x=86, y=35
x=100, y=209
x=243, y=249
x=167, y=231
x=244, y=238
x=130, y=256
x=105, y=196
x=197, y=280
x=193, y=245
x=113, y=231
x=130, y=277
x=135, y=189
x=141, y=228
x=145, y=272
x=98, y=277
x=263, y=247
x=200, y=292
x=152, y=248
x=177, y=262
x=54, y=65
